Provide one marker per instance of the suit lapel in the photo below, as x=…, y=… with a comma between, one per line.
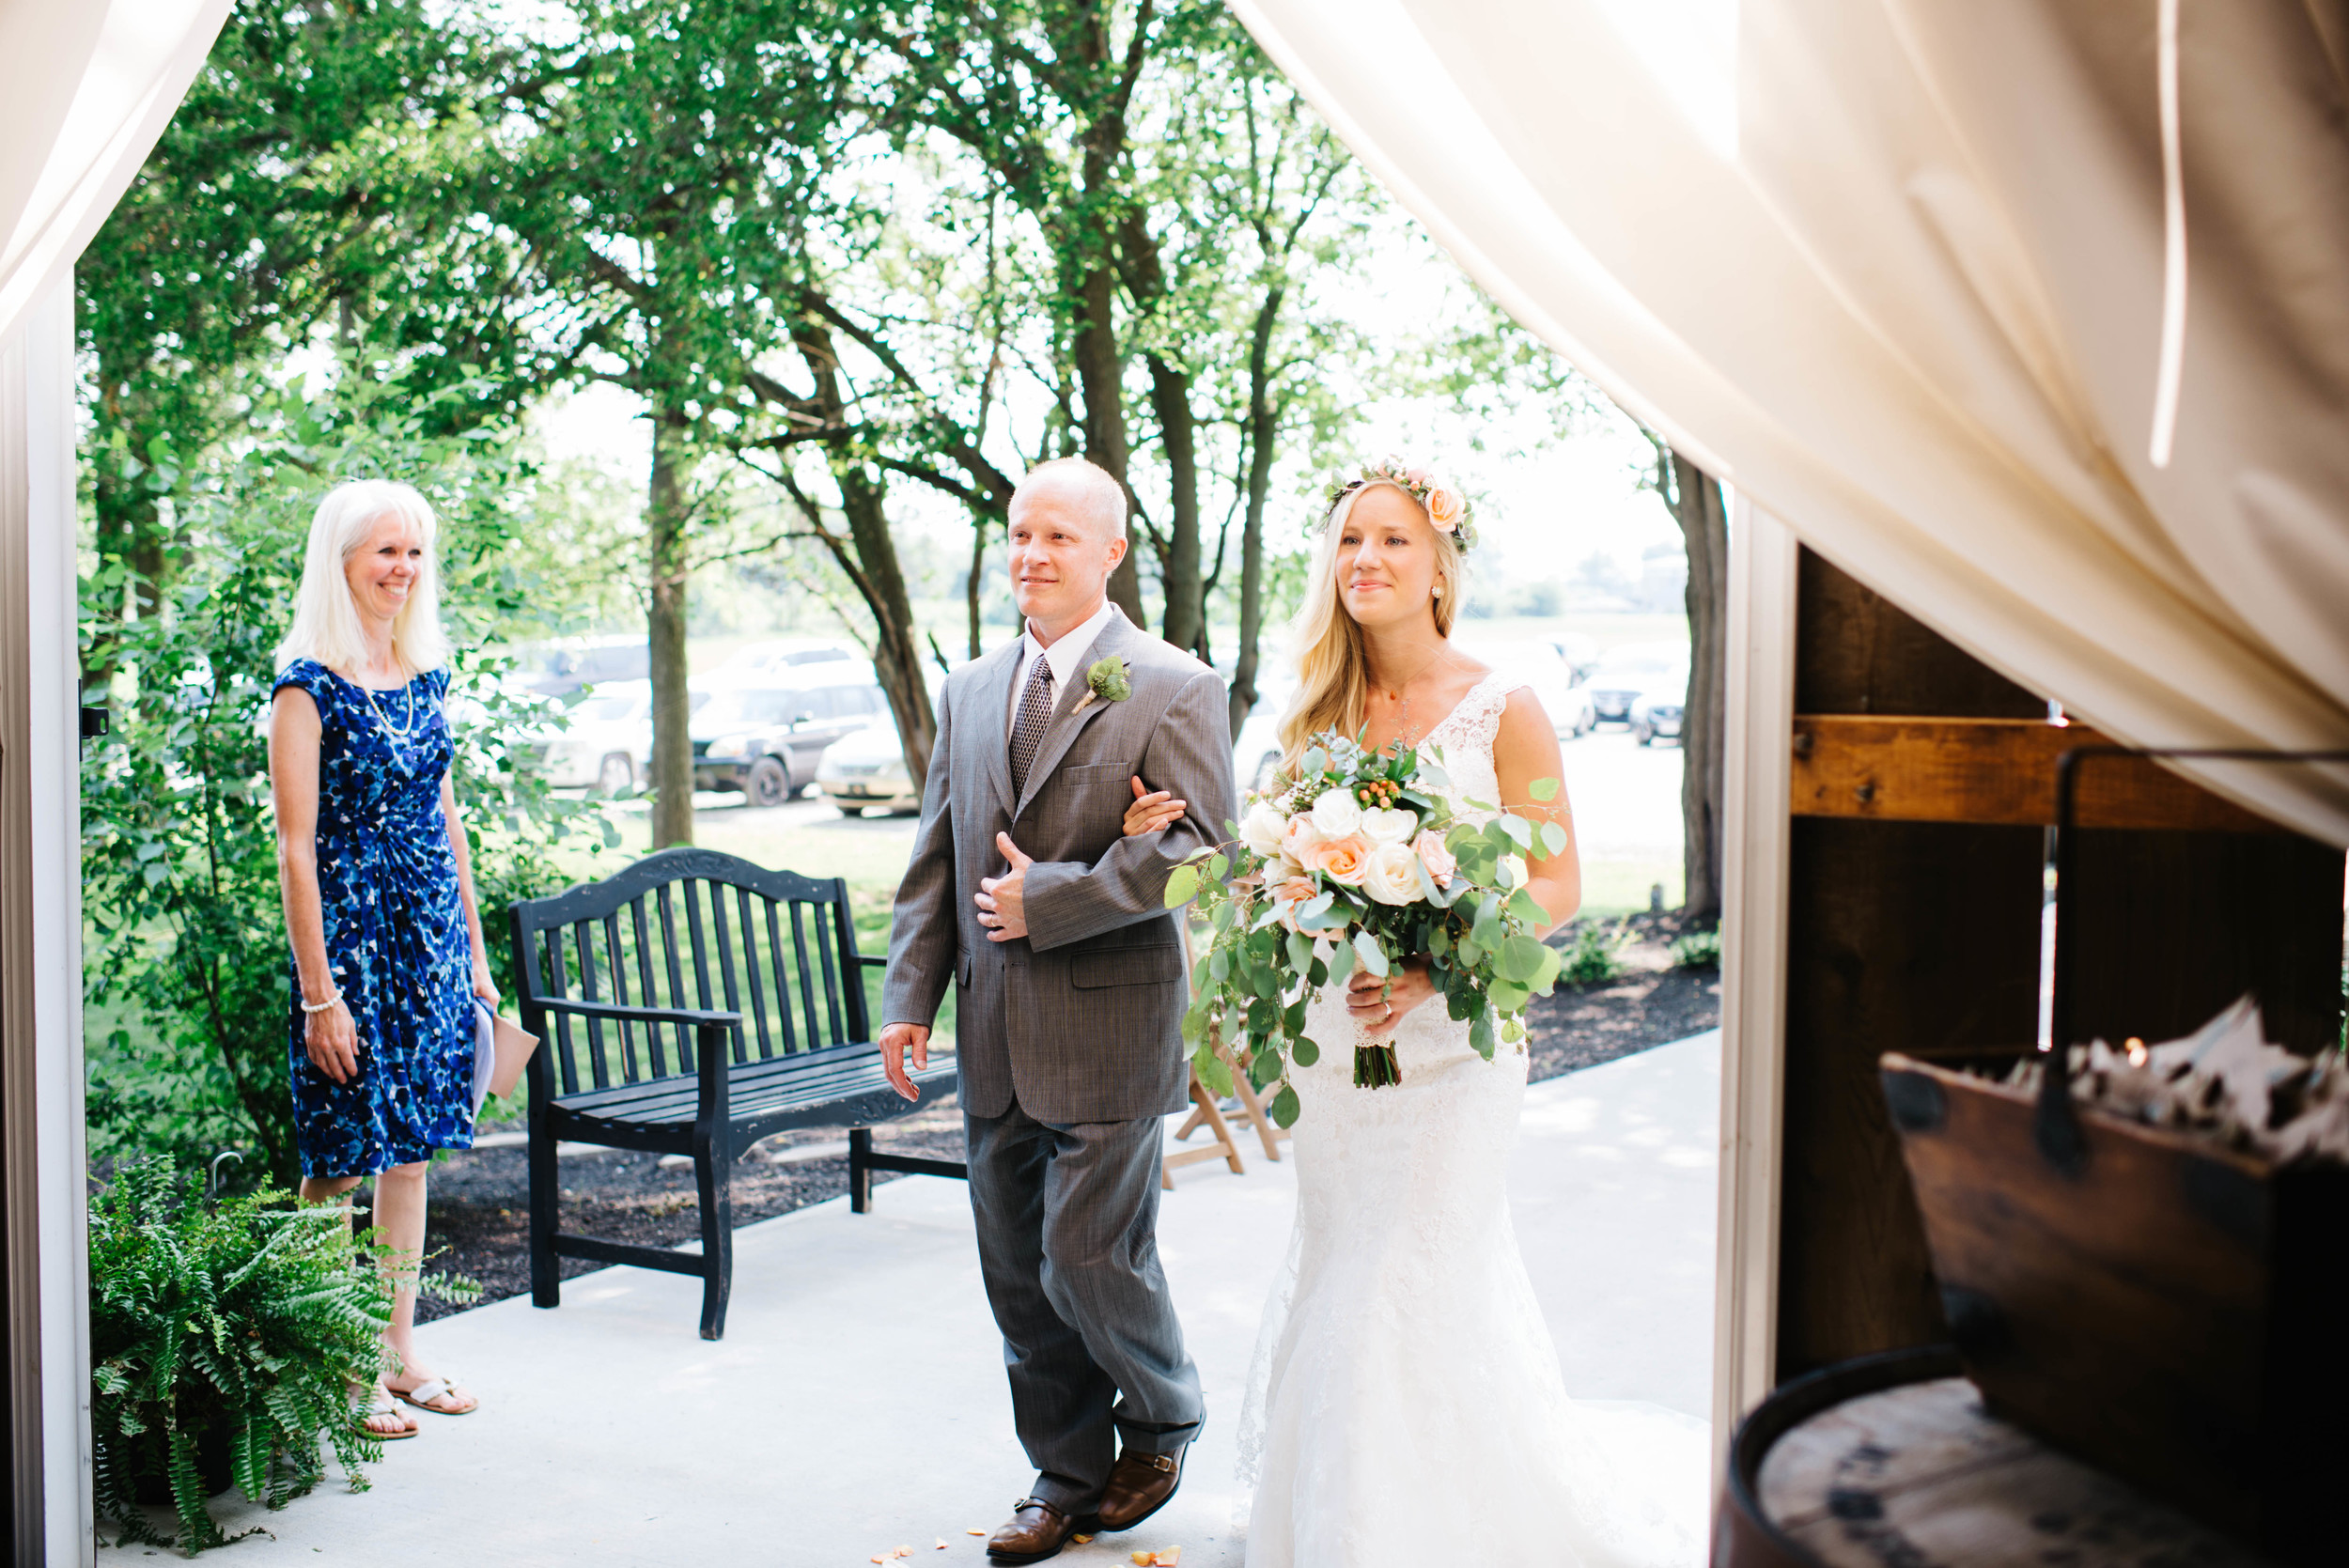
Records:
x=1068, y=721
x=994, y=699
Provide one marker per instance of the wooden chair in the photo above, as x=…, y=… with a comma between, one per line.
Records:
x=1203, y=1110
x=666, y=997
x=1269, y=1132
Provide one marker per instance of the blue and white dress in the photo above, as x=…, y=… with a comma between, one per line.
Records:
x=395, y=934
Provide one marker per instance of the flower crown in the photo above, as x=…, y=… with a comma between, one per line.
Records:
x=1447, y=508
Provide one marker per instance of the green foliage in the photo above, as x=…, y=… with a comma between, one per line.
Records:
x=318, y=169
x=253, y=1325
x=1596, y=955
x=1698, y=950
x=187, y=976
x=1283, y=933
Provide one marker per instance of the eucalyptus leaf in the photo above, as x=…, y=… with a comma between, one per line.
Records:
x=1520, y=959
x=1374, y=959
x=1304, y=1052
x=1285, y=1108
x=1543, y=789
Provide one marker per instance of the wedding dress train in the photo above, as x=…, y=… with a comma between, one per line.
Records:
x=1406, y=1407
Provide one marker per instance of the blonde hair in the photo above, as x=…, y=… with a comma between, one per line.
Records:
x=1332, y=679
x=326, y=621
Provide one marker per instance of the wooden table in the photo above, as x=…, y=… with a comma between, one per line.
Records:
x=1892, y=1462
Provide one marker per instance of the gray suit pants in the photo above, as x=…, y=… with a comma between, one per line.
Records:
x=1067, y=1223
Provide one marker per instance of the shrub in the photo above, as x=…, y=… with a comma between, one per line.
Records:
x=249, y=1329
x=1698, y=950
x=1597, y=955
x=188, y=977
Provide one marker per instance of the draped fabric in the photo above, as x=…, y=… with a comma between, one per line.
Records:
x=1897, y=269
x=86, y=88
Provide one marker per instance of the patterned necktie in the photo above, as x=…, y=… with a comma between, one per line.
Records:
x=1027, y=730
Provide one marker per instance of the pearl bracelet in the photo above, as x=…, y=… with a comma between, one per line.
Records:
x=321, y=1006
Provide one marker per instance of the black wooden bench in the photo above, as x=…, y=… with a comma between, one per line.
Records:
x=692, y=1004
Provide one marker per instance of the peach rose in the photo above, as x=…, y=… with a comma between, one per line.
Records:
x=1418, y=477
x=1298, y=838
x=1437, y=858
x=1297, y=890
x=1444, y=508
x=1341, y=860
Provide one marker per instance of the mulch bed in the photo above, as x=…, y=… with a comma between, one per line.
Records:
x=480, y=1204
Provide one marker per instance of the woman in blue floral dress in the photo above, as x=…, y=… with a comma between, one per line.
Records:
x=387, y=950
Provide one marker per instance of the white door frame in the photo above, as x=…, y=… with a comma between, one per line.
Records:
x=43, y=1209
x=1759, y=695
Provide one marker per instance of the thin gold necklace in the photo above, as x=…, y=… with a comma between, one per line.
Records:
x=1404, y=735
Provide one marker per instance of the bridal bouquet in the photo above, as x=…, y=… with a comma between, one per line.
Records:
x=1354, y=858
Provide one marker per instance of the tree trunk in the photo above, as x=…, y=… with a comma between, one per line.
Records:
x=1262, y=424
x=1186, y=624
x=981, y=526
x=1101, y=373
x=896, y=655
x=1704, y=525
x=665, y=516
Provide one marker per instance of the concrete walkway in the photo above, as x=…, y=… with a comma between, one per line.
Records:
x=858, y=1403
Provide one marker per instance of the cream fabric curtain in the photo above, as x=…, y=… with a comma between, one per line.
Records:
x=86, y=88
x=1896, y=270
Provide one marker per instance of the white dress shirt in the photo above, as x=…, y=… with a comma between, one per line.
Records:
x=1065, y=657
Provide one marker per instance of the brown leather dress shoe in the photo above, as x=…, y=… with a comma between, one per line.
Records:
x=1139, y=1485
x=1036, y=1530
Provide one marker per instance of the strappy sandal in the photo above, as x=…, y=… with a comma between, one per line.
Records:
x=426, y=1395
x=384, y=1404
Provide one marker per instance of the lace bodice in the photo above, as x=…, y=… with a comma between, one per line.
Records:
x=1464, y=738
x=1405, y=1405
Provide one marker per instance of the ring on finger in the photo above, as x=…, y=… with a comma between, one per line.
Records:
x=1389, y=1016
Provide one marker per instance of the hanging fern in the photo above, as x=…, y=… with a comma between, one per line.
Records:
x=252, y=1327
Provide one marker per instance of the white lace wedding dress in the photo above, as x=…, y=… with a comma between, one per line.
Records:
x=1406, y=1407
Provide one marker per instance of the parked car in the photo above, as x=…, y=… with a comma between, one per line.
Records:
x=1580, y=650
x=1256, y=752
x=610, y=729
x=784, y=657
x=765, y=736
x=1658, y=712
x=562, y=668
x=866, y=771
x=1542, y=667
x=1626, y=672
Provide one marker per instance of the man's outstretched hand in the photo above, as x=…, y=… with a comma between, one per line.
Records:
x=894, y=1038
x=1002, y=900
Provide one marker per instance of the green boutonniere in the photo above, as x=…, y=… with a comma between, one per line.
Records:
x=1108, y=681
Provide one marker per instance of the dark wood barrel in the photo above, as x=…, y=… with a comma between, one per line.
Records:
x=1892, y=1459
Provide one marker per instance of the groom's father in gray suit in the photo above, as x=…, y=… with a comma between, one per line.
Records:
x=1069, y=977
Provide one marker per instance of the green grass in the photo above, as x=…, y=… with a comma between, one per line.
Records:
x=1612, y=889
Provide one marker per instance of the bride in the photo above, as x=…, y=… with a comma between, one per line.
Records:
x=1405, y=1405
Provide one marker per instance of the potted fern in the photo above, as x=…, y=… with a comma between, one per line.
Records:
x=237, y=1337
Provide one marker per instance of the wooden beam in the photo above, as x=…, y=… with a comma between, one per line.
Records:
x=1996, y=772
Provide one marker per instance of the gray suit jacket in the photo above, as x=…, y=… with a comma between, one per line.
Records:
x=1081, y=1020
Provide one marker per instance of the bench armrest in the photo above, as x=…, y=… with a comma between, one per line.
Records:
x=872, y=960
x=616, y=1013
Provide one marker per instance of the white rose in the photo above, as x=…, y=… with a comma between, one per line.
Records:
x=1298, y=836
x=1390, y=875
x=1336, y=815
x=1260, y=829
x=1390, y=825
